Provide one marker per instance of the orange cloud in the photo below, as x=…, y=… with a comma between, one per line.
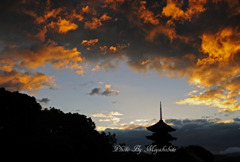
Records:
x=7, y=64
x=50, y=53
x=107, y=86
x=225, y=121
x=160, y=25
x=13, y=58
x=146, y=15
x=90, y=42
x=220, y=47
x=96, y=22
x=161, y=29
x=86, y=9
x=60, y=26
x=219, y=65
x=77, y=16
x=169, y=66
x=145, y=62
x=213, y=98
x=113, y=49
x=42, y=34
x=16, y=81
x=48, y=14
x=96, y=68
x=233, y=85
x=219, y=69
x=105, y=17
x=103, y=49
x=63, y=26
x=56, y=55
x=113, y=4
x=173, y=9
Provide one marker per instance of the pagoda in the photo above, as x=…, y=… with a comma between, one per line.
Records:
x=161, y=136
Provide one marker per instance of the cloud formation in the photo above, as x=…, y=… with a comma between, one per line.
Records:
x=96, y=22
x=90, y=42
x=62, y=26
x=16, y=81
x=44, y=100
x=194, y=40
x=112, y=116
x=174, y=9
x=106, y=92
x=95, y=91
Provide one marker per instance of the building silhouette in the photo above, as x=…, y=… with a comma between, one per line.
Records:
x=161, y=136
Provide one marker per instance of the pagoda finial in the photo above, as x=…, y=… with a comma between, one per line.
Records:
x=160, y=110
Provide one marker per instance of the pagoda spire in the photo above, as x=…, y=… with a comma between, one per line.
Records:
x=160, y=110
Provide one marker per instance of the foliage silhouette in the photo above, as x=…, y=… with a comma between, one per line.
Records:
x=31, y=134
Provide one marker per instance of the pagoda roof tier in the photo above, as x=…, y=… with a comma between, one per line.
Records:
x=160, y=126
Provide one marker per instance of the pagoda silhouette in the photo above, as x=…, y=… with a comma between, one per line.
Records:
x=161, y=136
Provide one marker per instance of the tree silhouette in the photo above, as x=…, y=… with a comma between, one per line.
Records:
x=31, y=134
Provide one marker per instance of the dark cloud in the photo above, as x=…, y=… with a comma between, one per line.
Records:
x=95, y=91
x=44, y=100
x=106, y=92
x=216, y=137
x=236, y=119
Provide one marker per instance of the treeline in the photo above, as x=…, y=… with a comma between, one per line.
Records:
x=29, y=133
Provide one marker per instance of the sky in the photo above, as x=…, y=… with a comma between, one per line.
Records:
x=115, y=60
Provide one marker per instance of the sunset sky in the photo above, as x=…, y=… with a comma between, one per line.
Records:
x=115, y=60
